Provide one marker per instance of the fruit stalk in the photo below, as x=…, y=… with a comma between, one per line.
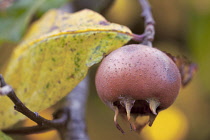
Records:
x=149, y=22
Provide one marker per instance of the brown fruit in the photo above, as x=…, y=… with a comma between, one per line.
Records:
x=137, y=80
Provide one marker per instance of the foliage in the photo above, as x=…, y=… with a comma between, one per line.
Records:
x=55, y=57
x=16, y=18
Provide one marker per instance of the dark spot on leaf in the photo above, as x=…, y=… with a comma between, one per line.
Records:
x=77, y=60
x=72, y=50
x=97, y=49
x=1, y=113
x=48, y=85
x=90, y=20
x=64, y=18
x=77, y=69
x=25, y=90
x=59, y=81
x=53, y=28
x=53, y=59
x=104, y=23
x=70, y=77
x=109, y=36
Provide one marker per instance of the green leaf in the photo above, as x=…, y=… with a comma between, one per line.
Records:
x=4, y=137
x=55, y=57
x=17, y=17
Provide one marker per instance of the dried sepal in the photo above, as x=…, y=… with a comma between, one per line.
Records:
x=153, y=105
x=187, y=68
x=115, y=120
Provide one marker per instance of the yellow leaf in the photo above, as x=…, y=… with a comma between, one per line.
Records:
x=55, y=56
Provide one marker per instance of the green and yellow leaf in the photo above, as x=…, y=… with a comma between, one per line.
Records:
x=55, y=56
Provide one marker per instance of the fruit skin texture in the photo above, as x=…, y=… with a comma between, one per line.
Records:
x=138, y=72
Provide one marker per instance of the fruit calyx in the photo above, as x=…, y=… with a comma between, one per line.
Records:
x=153, y=105
x=130, y=109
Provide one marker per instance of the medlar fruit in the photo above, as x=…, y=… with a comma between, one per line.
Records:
x=137, y=80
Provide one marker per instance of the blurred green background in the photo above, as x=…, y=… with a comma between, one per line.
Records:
x=182, y=28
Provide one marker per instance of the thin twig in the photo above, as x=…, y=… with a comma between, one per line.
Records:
x=149, y=32
x=20, y=107
x=60, y=117
x=27, y=130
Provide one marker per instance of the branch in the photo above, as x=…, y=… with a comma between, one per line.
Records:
x=27, y=130
x=69, y=121
x=60, y=120
x=146, y=12
x=75, y=103
x=20, y=107
x=148, y=36
x=149, y=23
x=60, y=117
